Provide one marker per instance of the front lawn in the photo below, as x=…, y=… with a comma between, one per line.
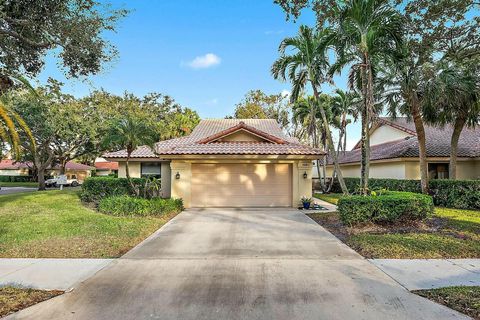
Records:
x=328, y=197
x=55, y=224
x=19, y=184
x=450, y=233
x=462, y=299
x=14, y=299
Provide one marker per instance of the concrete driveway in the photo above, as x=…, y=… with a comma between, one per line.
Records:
x=234, y=264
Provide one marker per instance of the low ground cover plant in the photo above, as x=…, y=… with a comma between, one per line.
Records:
x=385, y=207
x=134, y=206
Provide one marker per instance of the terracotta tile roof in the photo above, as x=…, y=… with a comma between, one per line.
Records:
x=438, y=143
x=106, y=165
x=12, y=165
x=202, y=141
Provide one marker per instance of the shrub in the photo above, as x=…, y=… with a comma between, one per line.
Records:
x=127, y=205
x=16, y=178
x=374, y=184
x=460, y=194
x=97, y=188
x=385, y=208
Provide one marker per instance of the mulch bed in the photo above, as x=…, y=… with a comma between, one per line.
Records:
x=15, y=299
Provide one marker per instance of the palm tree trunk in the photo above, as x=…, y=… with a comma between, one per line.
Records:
x=331, y=147
x=457, y=130
x=422, y=145
x=365, y=141
x=127, y=168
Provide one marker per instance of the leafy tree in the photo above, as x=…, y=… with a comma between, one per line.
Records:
x=368, y=32
x=129, y=133
x=73, y=29
x=34, y=110
x=307, y=64
x=259, y=105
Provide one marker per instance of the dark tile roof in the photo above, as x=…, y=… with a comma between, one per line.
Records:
x=202, y=141
x=437, y=142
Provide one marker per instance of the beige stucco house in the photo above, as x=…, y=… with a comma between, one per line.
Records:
x=394, y=152
x=75, y=170
x=228, y=163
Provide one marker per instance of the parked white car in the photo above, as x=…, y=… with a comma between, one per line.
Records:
x=70, y=181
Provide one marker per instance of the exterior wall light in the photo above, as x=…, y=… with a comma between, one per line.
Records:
x=305, y=175
x=177, y=175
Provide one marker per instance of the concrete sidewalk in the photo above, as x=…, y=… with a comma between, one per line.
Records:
x=416, y=274
x=48, y=274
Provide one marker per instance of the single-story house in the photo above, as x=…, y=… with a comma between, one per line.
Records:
x=72, y=169
x=228, y=163
x=105, y=168
x=394, y=152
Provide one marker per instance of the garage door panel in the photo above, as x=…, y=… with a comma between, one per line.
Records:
x=241, y=185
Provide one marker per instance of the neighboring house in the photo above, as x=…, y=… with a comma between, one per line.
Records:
x=76, y=170
x=105, y=168
x=228, y=163
x=12, y=168
x=394, y=152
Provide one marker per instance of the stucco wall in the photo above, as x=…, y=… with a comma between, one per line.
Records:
x=407, y=170
x=393, y=170
x=241, y=136
x=386, y=133
x=16, y=172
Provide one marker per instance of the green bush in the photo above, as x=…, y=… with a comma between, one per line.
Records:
x=375, y=184
x=133, y=206
x=16, y=178
x=460, y=194
x=388, y=207
x=97, y=188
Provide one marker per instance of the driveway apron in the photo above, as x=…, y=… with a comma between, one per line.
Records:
x=240, y=264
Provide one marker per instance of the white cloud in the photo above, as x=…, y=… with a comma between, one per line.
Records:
x=206, y=61
x=213, y=101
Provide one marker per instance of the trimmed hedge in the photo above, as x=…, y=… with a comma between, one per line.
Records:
x=388, y=207
x=353, y=184
x=97, y=188
x=460, y=194
x=132, y=206
x=16, y=179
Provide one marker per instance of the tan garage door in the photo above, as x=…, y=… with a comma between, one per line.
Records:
x=241, y=185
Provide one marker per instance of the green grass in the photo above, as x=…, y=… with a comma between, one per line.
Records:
x=462, y=299
x=19, y=184
x=458, y=236
x=14, y=299
x=329, y=197
x=55, y=224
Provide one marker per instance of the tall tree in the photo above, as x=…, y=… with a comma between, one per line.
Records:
x=129, y=133
x=345, y=105
x=74, y=30
x=368, y=32
x=258, y=105
x=307, y=64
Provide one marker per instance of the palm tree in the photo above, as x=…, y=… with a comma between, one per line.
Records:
x=308, y=63
x=129, y=133
x=345, y=104
x=367, y=32
x=452, y=96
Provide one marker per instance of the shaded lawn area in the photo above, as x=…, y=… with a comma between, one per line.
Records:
x=14, y=299
x=55, y=224
x=329, y=197
x=449, y=233
x=462, y=299
x=19, y=184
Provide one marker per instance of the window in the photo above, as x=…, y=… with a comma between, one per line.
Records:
x=438, y=170
x=151, y=170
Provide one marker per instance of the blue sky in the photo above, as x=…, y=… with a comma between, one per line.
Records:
x=205, y=54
